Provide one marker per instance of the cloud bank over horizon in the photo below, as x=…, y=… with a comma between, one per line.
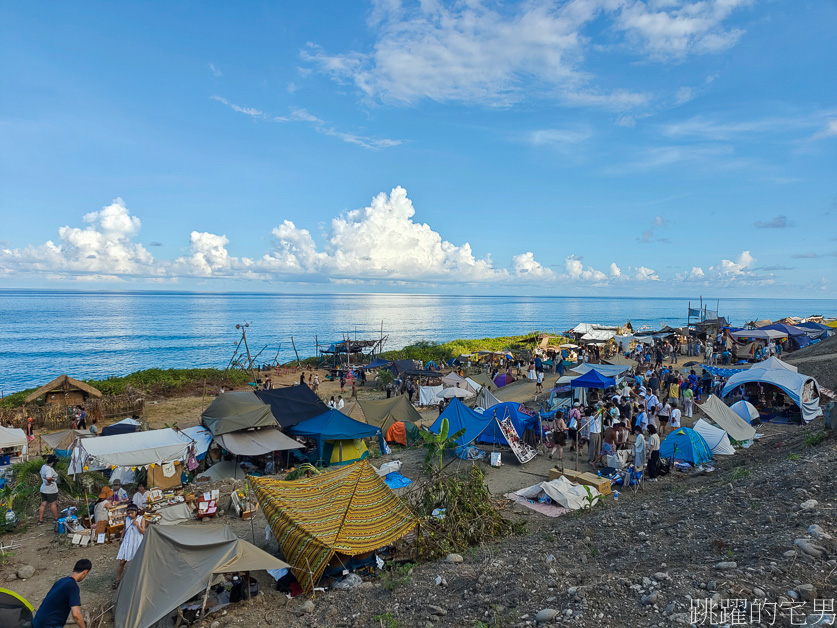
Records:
x=380, y=244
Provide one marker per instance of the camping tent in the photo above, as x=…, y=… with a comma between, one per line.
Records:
x=348, y=511
x=452, y=379
x=474, y=384
x=403, y=433
x=521, y=417
x=15, y=611
x=686, y=445
x=345, y=451
x=386, y=412
x=485, y=399
x=428, y=395
x=803, y=390
x=233, y=411
x=224, y=470
x=745, y=410
x=592, y=379
x=173, y=565
x=293, y=404
x=460, y=416
x=130, y=450
x=256, y=442
x=482, y=379
x=125, y=426
x=605, y=370
x=335, y=426
x=503, y=379
x=715, y=437
x=727, y=419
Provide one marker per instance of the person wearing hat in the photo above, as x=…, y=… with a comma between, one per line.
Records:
x=100, y=508
x=131, y=540
x=49, y=489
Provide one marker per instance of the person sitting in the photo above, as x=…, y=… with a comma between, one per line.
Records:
x=140, y=498
x=119, y=493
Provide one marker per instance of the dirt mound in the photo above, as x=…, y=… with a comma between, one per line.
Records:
x=818, y=361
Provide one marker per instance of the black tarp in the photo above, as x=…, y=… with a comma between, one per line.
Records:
x=118, y=428
x=293, y=405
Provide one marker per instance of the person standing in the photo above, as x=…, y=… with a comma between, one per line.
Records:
x=654, y=453
x=49, y=489
x=131, y=540
x=63, y=599
x=675, y=417
x=140, y=498
x=558, y=437
x=688, y=401
x=594, y=446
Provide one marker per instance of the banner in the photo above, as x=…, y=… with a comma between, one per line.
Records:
x=694, y=312
x=523, y=451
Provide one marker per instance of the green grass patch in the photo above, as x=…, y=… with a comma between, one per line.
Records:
x=816, y=438
x=395, y=576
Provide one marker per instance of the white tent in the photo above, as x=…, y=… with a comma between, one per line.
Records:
x=224, y=470
x=586, y=328
x=727, y=420
x=605, y=370
x=598, y=335
x=802, y=389
x=715, y=437
x=759, y=334
x=562, y=492
x=775, y=363
x=429, y=395
x=475, y=385
x=201, y=436
x=130, y=450
x=452, y=379
x=485, y=399
x=745, y=410
x=13, y=438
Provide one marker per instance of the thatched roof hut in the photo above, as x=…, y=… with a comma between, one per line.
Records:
x=65, y=389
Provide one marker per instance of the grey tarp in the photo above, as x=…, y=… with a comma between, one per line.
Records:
x=63, y=439
x=235, y=411
x=485, y=399
x=256, y=442
x=727, y=419
x=224, y=470
x=385, y=412
x=483, y=380
x=174, y=564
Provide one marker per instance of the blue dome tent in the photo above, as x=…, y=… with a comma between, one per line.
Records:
x=686, y=445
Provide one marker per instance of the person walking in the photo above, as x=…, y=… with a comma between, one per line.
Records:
x=49, y=489
x=131, y=540
x=63, y=599
x=558, y=438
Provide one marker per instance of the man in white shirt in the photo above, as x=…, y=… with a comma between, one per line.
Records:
x=651, y=401
x=140, y=497
x=49, y=489
x=675, y=416
x=594, y=447
x=340, y=403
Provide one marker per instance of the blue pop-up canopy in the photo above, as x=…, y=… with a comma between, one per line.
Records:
x=334, y=425
x=593, y=379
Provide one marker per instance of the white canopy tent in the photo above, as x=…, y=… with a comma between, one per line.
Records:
x=137, y=449
x=802, y=389
x=759, y=334
x=605, y=370
x=13, y=440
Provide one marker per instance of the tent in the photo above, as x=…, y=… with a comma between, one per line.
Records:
x=460, y=416
x=386, y=412
x=15, y=611
x=375, y=364
x=452, y=379
x=13, y=438
x=125, y=426
x=775, y=363
x=130, y=450
x=503, y=379
x=474, y=384
x=293, y=404
x=745, y=410
x=685, y=445
x=803, y=390
x=173, y=565
x=403, y=433
x=759, y=334
x=202, y=438
x=457, y=393
x=592, y=379
x=561, y=491
x=233, y=411
x=482, y=379
x=224, y=470
x=61, y=441
x=605, y=370
x=334, y=426
x=727, y=420
x=521, y=417
x=348, y=511
x=485, y=399
x=428, y=395
x=256, y=442
x=598, y=335
x=345, y=451
x=715, y=437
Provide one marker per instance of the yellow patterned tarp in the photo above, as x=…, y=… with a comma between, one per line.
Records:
x=349, y=510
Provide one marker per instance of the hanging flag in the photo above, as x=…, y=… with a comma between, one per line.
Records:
x=693, y=312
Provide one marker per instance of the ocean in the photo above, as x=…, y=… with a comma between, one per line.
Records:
x=100, y=334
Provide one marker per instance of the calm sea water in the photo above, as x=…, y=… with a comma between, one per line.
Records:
x=100, y=334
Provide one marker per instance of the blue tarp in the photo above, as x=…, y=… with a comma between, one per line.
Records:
x=592, y=379
x=461, y=416
x=396, y=480
x=334, y=425
x=686, y=445
x=375, y=364
x=521, y=418
x=721, y=371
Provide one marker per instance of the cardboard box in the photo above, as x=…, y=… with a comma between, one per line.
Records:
x=594, y=481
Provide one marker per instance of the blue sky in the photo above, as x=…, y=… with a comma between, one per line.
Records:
x=612, y=147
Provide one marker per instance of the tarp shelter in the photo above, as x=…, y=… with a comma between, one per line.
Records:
x=759, y=334
x=130, y=450
x=592, y=379
x=377, y=363
x=386, y=412
x=293, y=404
x=174, y=564
x=402, y=367
x=685, y=445
x=233, y=411
x=504, y=379
x=597, y=335
x=428, y=395
x=721, y=371
x=335, y=426
x=726, y=419
x=605, y=370
x=348, y=511
x=715, y=437
x=125, y=426
x=460, y=416
x=745, y=410
x=452, y=379
x=485, y=399
x=457, y=393
x=61, y=441
x=224, y=470
x=15, y=611
x=561, y=491
x=474, y=384
x=256, y=442
x=521, y=417
x=803, y=390
x=586, y=328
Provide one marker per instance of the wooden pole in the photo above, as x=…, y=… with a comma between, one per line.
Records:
x=205, y=598
x=295, y=352
x=249, y=359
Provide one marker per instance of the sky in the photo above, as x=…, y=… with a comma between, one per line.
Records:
x=601, y=147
